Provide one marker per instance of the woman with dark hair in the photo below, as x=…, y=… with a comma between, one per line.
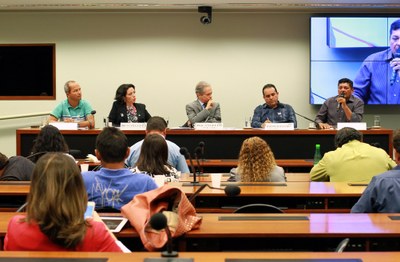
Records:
x=54, y=219
x=257, y=163
x=153, y=158
x=125, y=109
x=49, y=139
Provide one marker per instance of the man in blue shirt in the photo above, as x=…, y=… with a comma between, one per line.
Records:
x=378, y=79
x=157, y=125
x=272, y=111
x=74, y=108
x=114, y=185
x=383, y=192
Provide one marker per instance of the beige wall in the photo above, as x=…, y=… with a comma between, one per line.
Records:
x=165, y=55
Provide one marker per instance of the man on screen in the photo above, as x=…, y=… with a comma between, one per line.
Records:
x=378, y=79
x=341, y=108
x=74, y=108
x=272, y=111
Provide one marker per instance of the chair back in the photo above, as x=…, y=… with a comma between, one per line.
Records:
x=258, y=208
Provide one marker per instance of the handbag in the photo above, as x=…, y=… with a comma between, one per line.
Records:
x=173, y=203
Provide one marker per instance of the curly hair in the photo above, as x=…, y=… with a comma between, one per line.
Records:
x=256, y=160
x=57, y=200
x=49, y=139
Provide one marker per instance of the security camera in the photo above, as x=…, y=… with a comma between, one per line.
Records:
x=205, y=20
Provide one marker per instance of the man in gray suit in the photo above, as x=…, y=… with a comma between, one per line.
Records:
x=204, y=109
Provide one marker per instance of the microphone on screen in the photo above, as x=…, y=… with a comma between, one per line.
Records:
x=230, y=191
x=338, y=105
x=395, y=72
x=159, y=221
x=185, y=152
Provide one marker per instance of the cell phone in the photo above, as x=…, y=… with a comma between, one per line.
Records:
x=89, y=209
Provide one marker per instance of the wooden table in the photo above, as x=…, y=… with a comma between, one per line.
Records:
x=332, y=197
x=324, y=197
x=13, y=194
x=219, y=144
x=283, y=232
x=214, y=256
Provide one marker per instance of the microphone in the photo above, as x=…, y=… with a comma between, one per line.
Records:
x=338, y=104
x=93, y=112
x=197, y=153
x=159, y=221
x=394, y=72
x=309, y=119
x=202, y=145
x=230, y=191
x=186, y=153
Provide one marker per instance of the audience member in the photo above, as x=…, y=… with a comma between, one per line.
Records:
x=153, y=158
x=272, y=111
x=74, y=108
x=352, y=161
x=383, y=192
x=157, y=125
x=15, y=168
x=341, y=108
x=204, y=108
x=257, y=163
x=114, y=185
x=377, y=80
x=54, y=220
x=49, y=139
x=125, y=109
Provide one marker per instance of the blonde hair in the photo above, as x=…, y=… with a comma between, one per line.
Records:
x=256, y=160
x=57, y=200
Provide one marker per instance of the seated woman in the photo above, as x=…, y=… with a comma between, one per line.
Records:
x=153, y=158
x=125, y=109
x=54, y=220
x=257, y=163
x=49, y=139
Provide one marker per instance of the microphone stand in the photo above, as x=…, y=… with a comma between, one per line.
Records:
x=186, y=153
x=309, y=119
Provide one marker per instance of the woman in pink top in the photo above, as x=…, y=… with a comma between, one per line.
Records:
x=55, y=212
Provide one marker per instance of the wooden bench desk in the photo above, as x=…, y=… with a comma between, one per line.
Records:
x=324, y=197
x=284, y=232
x=328, y=197
x=214, y=256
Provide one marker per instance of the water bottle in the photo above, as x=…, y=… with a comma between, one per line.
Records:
x=317, y=154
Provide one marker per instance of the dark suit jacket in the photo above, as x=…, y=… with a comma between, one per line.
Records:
x=118, y=113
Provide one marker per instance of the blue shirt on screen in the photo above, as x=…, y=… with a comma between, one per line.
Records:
x=372, y=82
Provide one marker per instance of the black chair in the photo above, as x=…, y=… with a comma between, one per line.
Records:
x=342, y=245
x=258, y=208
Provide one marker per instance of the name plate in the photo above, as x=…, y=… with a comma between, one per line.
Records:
x=355, y=125
x=279, y=126
x=65, y=125
x=208, y=126
x=133, y=126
